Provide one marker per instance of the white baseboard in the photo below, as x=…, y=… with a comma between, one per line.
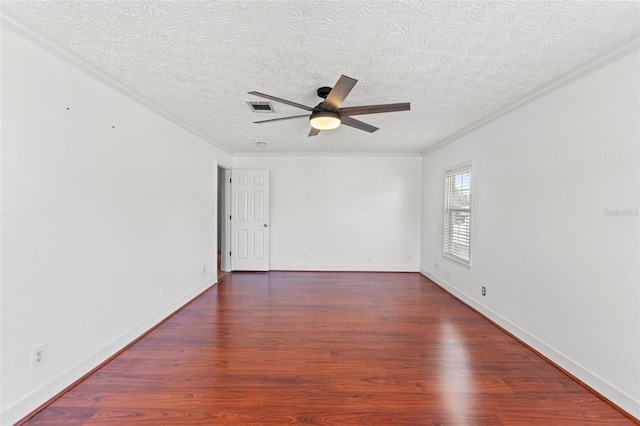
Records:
x=50, y=389
x=346, y=268
x=623, y=400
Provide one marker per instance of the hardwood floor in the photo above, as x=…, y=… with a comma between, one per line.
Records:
x=328, y=348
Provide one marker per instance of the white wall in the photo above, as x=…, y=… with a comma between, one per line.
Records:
x=345, y=213
x=102, y=205
x=560, y=272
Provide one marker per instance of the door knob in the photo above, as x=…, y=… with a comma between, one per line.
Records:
x=265, y=225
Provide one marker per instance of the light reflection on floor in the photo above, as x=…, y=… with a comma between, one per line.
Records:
x=456, y=380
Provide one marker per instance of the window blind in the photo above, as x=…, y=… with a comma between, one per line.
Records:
x=457, y=214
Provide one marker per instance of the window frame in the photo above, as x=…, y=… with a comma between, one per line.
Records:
x=455, y=170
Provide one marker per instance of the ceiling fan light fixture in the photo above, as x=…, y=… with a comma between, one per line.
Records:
x=324, y=120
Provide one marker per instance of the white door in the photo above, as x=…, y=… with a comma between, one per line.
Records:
x=250, y=220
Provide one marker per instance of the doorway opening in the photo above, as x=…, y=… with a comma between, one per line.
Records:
x=224, y=230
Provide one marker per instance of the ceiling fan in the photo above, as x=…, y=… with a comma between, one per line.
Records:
x=328, y=115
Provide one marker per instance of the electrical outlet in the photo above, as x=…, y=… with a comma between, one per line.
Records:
x=204, y=269
x=39, y=356
x=369, y=260
x=437, y=265
x=410, y=258
x=163, y=291
x=484, y=291
x=305, y=256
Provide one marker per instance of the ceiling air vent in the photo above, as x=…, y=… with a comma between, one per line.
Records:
x=260, y=106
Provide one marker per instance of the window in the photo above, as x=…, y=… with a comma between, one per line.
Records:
x=457, y=214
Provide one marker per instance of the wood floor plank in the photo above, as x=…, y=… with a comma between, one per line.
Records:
x=327, y=348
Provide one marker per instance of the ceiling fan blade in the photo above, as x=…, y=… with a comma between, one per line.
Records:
x=284, y=101
x=352, y=122
x=339, y=92
x=314, y=131
x=280, y=119
x=375, y=109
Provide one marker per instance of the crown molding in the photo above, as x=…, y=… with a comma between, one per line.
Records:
x=327, y=154
x=617, y=52
x=16, y=26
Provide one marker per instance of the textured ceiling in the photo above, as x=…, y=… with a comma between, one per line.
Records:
x=456, y=62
